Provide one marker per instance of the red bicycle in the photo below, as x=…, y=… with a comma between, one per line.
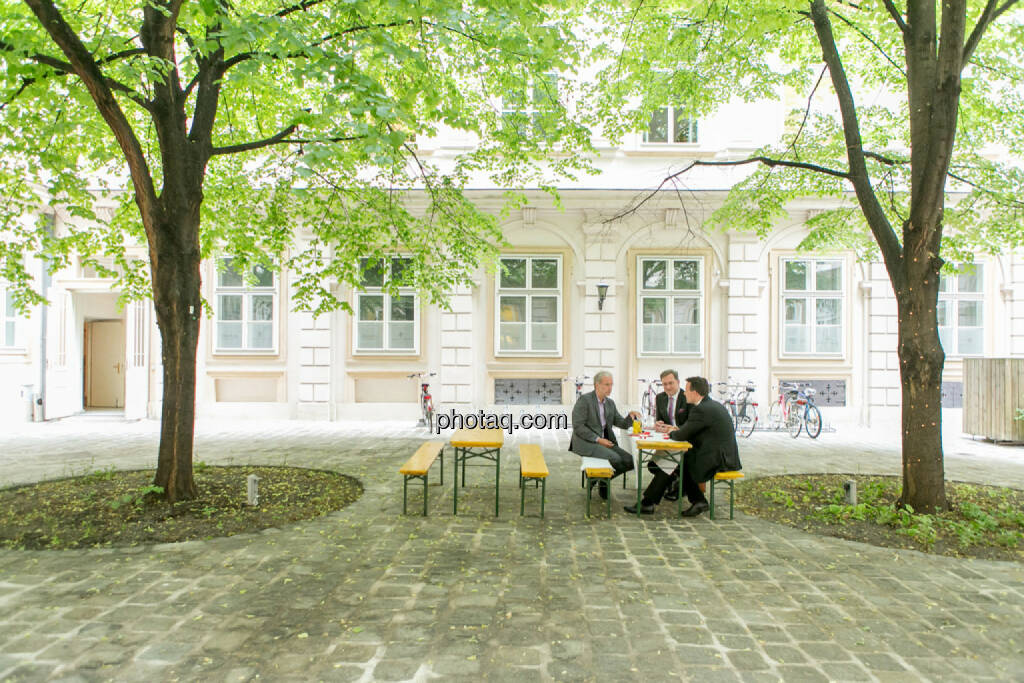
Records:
x=426, y=400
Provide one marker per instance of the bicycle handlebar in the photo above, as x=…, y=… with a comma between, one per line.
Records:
x=420, y=374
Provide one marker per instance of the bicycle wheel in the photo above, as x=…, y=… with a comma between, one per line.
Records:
x=775, y=415
x=813, y=421
x=646, y=406
x=795, y=421
x=747, y=420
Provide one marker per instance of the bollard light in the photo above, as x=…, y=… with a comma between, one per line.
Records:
x=252, y=489
x=850, y=491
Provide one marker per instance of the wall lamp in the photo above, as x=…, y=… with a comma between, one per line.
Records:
x=602, y=294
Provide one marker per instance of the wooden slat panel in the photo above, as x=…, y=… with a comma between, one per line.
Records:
x=993, y=390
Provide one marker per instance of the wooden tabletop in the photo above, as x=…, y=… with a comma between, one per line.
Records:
x=663, y=445
x=478, y=438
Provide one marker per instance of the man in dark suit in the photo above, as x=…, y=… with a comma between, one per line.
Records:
x=709, y=429
x=593, y=420
x=670, y=409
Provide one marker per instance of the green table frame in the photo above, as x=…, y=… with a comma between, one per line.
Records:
x=644, y=455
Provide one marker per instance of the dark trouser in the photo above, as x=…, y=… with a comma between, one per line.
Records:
x=620, y=460
x=656, y=489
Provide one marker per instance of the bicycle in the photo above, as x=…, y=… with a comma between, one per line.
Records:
x=578, y=381
x=781, y=409
x=744, y=410
x=426, y=400
x=737, y=400
x=807, y=415
x=647, y=401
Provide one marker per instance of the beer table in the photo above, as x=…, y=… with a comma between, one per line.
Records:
x=652, y=446
x=477, y=443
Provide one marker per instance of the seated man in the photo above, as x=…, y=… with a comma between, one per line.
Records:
x=670, y=408
x=593, y=419
x=709, y=429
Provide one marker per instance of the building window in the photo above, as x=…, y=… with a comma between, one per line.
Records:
x=671, y=124
x=960, y=312
x=245, y=309
x=386, y=321
x=529, y=303
x=529, y=110
x=812, y=304
x=10, y=322
x=671, y=305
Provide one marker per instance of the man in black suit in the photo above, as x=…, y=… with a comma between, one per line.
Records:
x=670, y=409
x=710, y=431
x=593, y=420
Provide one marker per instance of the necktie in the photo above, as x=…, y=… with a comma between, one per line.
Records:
x=671, y=410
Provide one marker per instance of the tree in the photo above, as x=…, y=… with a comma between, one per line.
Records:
x=281, y=133
x=942, y=83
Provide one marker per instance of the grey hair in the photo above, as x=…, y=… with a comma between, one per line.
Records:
x=601, y=375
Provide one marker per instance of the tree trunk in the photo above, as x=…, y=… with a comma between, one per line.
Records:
x=176, y=293
x=921, y=361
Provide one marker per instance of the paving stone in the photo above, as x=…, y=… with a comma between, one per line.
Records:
x=370, y=593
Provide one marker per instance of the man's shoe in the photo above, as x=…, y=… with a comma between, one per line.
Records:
x=696, y=509
x=602, y=489
x=672, y=494
x=644, y=509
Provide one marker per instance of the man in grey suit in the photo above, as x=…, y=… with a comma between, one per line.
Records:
x=593, y=419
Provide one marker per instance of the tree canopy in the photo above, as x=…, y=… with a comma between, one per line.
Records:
x=319, y=115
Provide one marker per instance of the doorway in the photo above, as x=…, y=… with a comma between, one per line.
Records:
x=104, y=364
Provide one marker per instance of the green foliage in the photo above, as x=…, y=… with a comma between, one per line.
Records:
x=362, y=86
x=1020, y=414
x=136, y=498
x=703, y=55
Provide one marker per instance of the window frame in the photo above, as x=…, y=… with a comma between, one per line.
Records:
x=385, y=322
x=529, y=292
x=247, y=292
x=954, y=296
x=10, y=317
x=693, y=127
x=529, y=108
x=812, y=295
x=669, y=294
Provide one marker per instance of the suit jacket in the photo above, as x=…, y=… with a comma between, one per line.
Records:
x=710, y=430
x=661, y=408
x=586, y=424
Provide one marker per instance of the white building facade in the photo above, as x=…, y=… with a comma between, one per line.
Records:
x=722, y=304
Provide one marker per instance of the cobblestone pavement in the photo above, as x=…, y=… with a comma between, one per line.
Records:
x=368, y=594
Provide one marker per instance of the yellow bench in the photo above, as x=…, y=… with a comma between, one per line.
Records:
x=418, y=466
x=594, y=470
x=729, y=478
x=531, y=467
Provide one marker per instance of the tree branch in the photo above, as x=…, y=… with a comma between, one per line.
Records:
x=807, y=113
x=62, y=68
x=871, y=40
x=858, y=174
x=896, y=16
x=85, y=67
x=991, y=12
x=279, y=138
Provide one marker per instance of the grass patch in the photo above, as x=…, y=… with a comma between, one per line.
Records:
x=983, y=521
x=111, y=508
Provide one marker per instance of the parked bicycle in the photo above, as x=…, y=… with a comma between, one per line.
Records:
x=426, y=400
x=804, y=414
x=647, y=401
x=578, y=381
x=782, y=406
x=739, y=401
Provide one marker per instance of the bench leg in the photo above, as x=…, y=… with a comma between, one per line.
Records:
x=441, y=455
x=543, y=490
x=497, y=480
x=405, y=492
x=712, y=496
x=589, y=490
x=731, y=494
x=522, y=493
x=425, y=494
x=609, y=501
x=455, y=497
